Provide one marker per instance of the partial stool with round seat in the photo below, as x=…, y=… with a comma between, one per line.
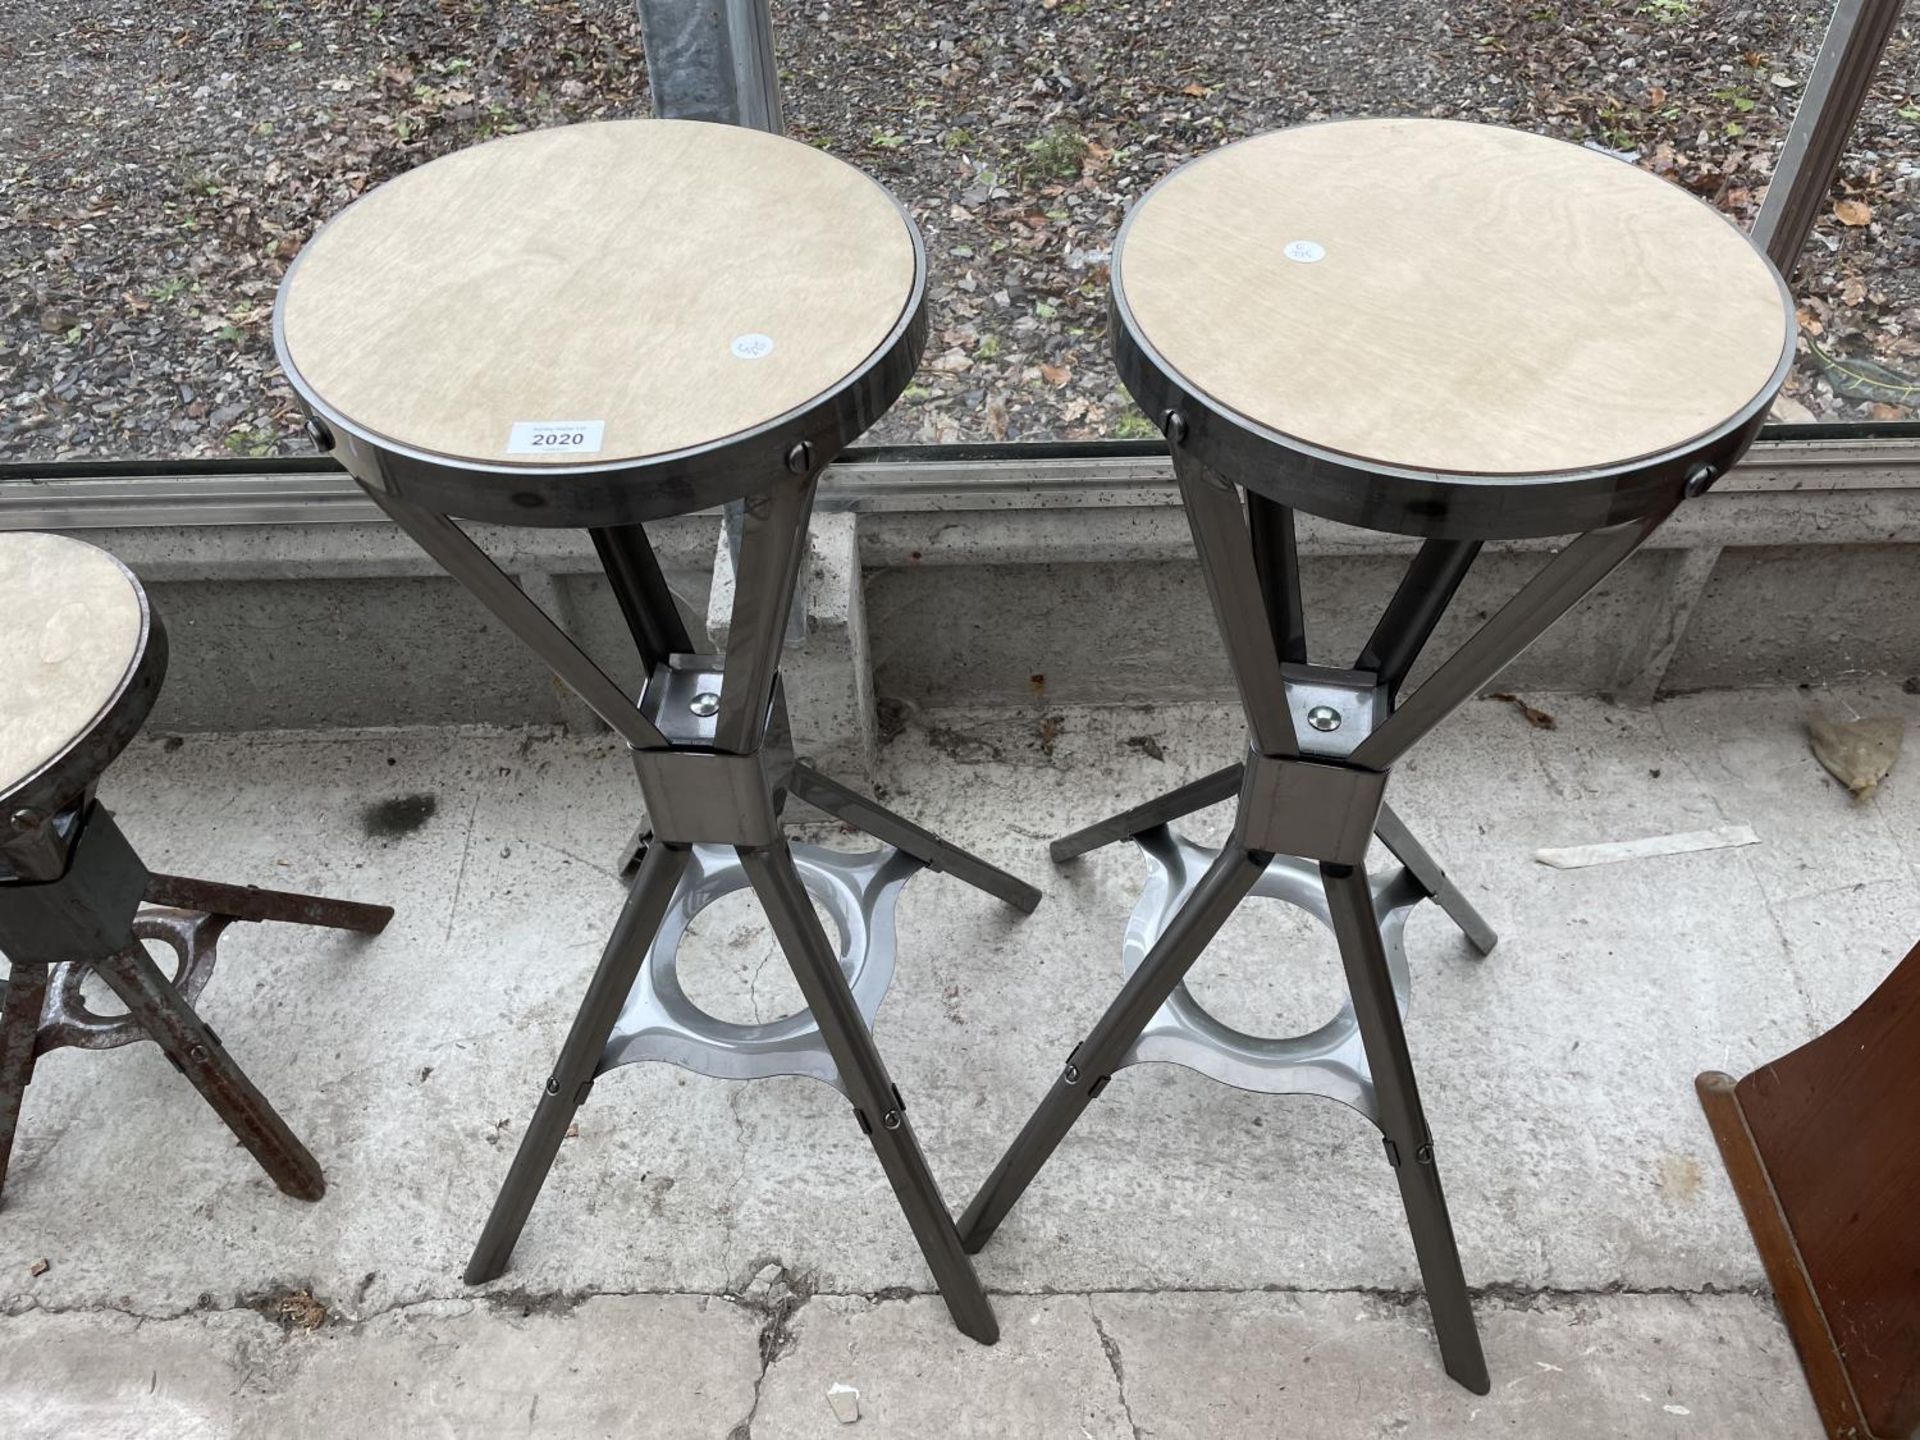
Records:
x=1424, y=327
x=82, y=655
x=600, y=326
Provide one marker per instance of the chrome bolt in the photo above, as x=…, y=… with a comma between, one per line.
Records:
x=26, y=818
x=1323, y=717
x=1071, y=1075
x=891, y=1119
x=706, y=704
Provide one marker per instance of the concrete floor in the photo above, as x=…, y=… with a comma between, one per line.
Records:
x=1195, y=1262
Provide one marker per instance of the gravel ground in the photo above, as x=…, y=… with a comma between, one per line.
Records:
x=158, y=170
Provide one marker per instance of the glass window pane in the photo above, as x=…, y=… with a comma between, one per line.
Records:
x=159, y=169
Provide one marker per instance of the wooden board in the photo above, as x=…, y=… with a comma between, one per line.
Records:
x=1444, y=296
x=1820, y=1146
x=673, y=282
x=71, y=634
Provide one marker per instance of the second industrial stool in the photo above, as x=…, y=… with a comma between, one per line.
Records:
x=1432, y=328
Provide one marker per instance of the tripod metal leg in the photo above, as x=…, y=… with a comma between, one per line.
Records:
x=929, y=849
x=876, y=1100
x=1091, y=1064
x=573, y=1073
x=19, y=1025
x=1561, y=583
x=640, y=587
x=1164, y=810
x=1233, y=585
x=1412, y=854
x=1403, y=1123
x=447, y=543
x=196, y=1052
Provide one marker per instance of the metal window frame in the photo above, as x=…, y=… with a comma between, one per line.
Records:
x=712, y=60
x=98, y=495
x=1836, y=89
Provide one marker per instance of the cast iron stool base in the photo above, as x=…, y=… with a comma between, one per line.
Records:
x=42, y=1007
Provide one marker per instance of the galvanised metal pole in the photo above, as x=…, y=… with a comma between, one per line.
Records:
x=712, y=60
x=1836, y=89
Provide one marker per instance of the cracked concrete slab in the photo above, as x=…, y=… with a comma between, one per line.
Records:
x=1557, y=1071
x=1047, y=1376
x=1248, y=1367
x=458, y=1367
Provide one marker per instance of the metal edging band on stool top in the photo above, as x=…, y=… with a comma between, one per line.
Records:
x=1404, y=500
x=627, y=492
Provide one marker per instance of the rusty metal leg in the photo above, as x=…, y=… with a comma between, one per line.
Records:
x=19, y=1025
x=197, y=1053
x=249, y=902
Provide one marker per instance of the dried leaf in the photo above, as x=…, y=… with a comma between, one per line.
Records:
x=1852, y=212
x=1858, y=753
x=296, y=1310
x=1199, y=92
x=1057, y=375
x=1537, y=718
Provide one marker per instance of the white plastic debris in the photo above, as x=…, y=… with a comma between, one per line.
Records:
x=845, y=1401
x=760, y=1288
x=1721, y=837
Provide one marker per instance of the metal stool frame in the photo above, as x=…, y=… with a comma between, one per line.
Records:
x=709, y=740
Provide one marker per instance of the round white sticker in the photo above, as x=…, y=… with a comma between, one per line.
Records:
x=1305, y=252
x=752, y=347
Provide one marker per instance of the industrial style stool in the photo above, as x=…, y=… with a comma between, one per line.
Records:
x=82, y=656
x=1431, y=328
x=599, y=326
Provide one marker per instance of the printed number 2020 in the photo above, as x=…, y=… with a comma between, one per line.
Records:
x=556, y=437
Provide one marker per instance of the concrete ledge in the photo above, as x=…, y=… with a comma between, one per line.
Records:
x=1030, y=582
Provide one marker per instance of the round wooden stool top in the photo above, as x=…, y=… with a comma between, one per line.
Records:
x=79, y=667
x=602, y=297
x=1449, y=300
